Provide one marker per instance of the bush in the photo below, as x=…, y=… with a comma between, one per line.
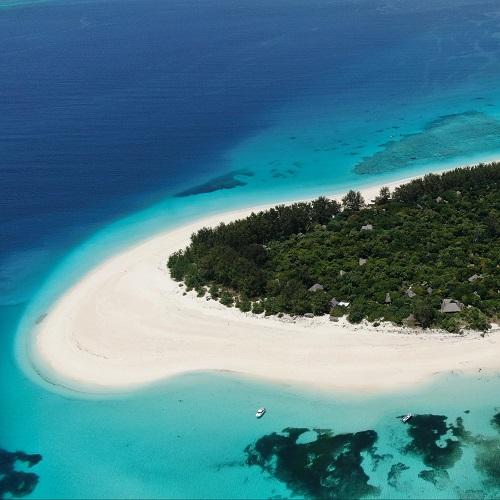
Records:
x=226, y=299
x=475, y=319
x=425, y=313
x=244, y=305
x=356, y=313
x=257, y=308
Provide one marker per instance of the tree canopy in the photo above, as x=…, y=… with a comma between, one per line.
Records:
x=436, y=237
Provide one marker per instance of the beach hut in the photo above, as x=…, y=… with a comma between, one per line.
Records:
x=342, y=273
x=473, y=278
x=367, y=227
x=451, y=306
x=334, y=302
x=429, y=290
x=362, y=261
x=344, y=304
x=410, y=293
x=316, y=288
x=439, y=199
x=388, y=298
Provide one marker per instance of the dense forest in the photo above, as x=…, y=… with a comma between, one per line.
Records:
x=427, y=254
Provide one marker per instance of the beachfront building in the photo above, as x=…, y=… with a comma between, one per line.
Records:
x=451, y=306
x=316, y=288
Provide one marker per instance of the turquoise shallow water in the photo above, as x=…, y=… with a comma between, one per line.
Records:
x=284, y=103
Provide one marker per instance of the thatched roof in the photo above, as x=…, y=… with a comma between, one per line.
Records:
x=451, y=306
x=316, y=287
x=334, y=302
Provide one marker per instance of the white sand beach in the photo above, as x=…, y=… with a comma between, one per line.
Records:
x=127, y=323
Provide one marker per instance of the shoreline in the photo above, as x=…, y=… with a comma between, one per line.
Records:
x=126, y=324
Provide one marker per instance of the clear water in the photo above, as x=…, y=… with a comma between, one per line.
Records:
x=111, y=108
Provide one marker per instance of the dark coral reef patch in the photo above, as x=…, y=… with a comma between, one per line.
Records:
x=328, y=467
x=434, y=441
x=13, y=482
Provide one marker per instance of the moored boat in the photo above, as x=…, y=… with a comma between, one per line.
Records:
x=260, y=412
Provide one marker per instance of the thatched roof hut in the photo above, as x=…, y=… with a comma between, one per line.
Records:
x=451, y=306
x=316, y=288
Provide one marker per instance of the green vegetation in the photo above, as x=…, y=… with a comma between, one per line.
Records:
x=396, y=260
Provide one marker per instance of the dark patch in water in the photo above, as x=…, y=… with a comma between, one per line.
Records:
x=471, y=495
x=495, y=422
x=40, y=318
x=394, y=474
x=227, y=181
x=428, y=441
x=438, y=477
x=13, y=482
x=445, y=138
x=488, y=461
x=328, y=467
x=488, y=456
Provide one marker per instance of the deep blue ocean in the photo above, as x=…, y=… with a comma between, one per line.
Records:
x=121, y=118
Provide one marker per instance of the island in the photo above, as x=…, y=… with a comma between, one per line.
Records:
x=127, y=322
x=425, y=255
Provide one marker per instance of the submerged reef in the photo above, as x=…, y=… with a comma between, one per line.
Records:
x=227, y=181
x=13, y=482
x=395, y=473
x=448, y=137
x=328, y=467
x=434, y=441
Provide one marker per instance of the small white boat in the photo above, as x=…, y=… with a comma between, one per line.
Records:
x=260, y=412
x=406, y=418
